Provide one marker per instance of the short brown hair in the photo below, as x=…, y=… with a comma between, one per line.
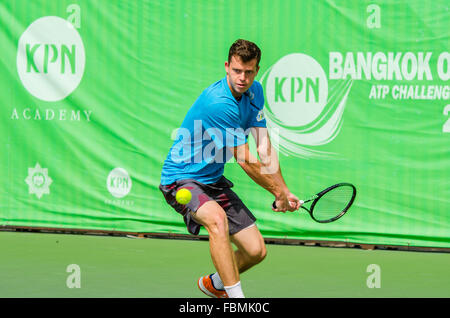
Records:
x=246, y=50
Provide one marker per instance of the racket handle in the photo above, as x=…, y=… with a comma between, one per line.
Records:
x=274, y=203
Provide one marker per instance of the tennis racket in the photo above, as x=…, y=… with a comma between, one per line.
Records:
x=330, y=204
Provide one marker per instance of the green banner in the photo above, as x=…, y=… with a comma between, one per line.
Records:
x=355, y=91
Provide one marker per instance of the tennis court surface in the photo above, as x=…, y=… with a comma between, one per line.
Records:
x=38, y=265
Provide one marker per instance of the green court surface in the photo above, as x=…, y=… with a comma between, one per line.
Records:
x=35, y=264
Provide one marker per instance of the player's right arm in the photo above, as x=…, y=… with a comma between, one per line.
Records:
x=267, y=177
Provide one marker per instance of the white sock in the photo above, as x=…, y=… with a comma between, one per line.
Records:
x=234, y=291
x=217, y=282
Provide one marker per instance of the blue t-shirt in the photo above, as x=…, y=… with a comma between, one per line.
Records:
x=214, y=122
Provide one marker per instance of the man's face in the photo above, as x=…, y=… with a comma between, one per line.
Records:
x=240, y=75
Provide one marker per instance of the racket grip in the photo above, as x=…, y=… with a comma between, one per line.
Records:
x=274, y=203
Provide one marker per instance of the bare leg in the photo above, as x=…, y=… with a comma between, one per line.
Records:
x=251, y=248
x=214, y=219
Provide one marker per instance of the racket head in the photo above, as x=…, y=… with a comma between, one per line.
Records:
x=333, y=202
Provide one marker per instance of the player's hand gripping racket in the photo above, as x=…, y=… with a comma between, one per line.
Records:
x=330, y=204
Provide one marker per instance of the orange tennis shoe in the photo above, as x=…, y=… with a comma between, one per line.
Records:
x=206, y=286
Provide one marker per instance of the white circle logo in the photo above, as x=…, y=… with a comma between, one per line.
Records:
x=50, y=58
x=118, y=183
x=297, y=89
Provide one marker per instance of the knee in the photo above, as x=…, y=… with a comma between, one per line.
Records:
x=263, y=253
x=257, y=254
x=217, y=224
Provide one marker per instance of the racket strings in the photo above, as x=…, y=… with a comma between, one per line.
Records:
x=332, y=203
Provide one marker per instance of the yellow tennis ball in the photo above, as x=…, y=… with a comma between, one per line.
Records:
x=183, y=196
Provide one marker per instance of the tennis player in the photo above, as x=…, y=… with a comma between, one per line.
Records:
x=215, y=129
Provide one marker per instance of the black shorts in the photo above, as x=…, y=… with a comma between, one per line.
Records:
x=238, y=215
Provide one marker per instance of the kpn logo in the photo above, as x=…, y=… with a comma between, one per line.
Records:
x=119, y=183
x=301, y=107
x=50, y=58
